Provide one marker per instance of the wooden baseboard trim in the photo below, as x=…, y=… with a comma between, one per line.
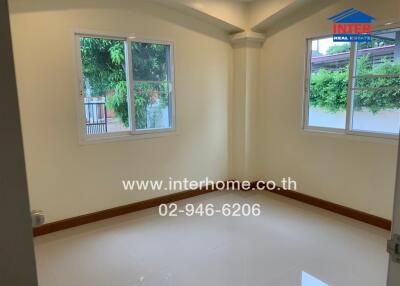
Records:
x=117, y=211
x=134, y=207
x=336, y=208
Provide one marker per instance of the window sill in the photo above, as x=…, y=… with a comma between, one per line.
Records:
x=126, y=136
x=353, y=136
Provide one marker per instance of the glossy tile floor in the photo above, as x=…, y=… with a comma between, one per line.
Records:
x=290, y=244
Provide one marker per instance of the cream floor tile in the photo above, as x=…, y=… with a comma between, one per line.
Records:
x=289, y=244
x=92, y=258
x=46, y=276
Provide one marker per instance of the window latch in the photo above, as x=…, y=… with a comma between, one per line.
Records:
x=393, y=247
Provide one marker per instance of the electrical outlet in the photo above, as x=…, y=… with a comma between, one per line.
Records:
x=37, y=217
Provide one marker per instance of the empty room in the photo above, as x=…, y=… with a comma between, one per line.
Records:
x=200, y=142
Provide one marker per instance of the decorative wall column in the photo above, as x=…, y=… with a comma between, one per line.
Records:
x=247, y=46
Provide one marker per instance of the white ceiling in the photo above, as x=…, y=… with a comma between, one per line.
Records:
x=240, y=1
x=200, y=1
x=236, y=16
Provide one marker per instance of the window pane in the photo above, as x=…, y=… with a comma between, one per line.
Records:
x=377, y=84
x=328, y=83
x=152, y=85
x=364, y=119
x=152, y=105
x=150, y=61
x=104, y=85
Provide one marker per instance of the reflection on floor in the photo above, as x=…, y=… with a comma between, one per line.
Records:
x=290, y=244
x=309, y=280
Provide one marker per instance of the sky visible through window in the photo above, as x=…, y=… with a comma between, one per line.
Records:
x=323, y=45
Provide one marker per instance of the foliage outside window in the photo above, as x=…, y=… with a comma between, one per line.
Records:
x=106, y=84
x=374, y=84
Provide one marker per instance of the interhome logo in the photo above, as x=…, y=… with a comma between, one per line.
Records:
x=352, y=25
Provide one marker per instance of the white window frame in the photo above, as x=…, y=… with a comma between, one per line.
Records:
x=350, y=97
x=132, y=133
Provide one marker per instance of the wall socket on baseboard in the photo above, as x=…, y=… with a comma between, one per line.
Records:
x=37, y=217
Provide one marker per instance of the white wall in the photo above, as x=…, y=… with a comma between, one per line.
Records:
x=66, y=179
x=349, y=171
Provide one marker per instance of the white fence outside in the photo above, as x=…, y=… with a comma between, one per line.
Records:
x=157, y=117
x=383, y=121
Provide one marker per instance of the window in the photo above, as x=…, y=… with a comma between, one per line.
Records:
x=376, y=90
x=354, y=87
x=126, y=86
x=328, y=83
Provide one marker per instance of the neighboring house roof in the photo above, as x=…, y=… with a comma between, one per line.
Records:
x=380, y=51
x=352, y=16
